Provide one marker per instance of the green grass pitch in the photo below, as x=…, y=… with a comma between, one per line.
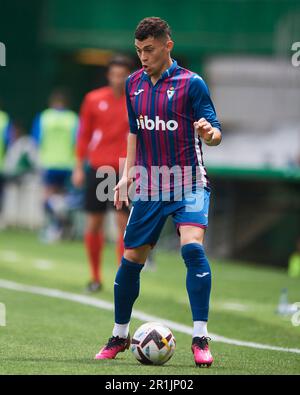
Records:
x=44, y=335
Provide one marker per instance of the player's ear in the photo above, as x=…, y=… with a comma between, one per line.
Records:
x=170, y=45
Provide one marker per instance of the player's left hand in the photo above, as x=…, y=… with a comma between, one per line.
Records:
x=204, y=130
x=121, y=193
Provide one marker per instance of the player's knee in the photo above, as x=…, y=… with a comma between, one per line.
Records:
x=190, y=240
x=136, y=255
x=191, y=234
x=94, y=223
x=193, y=254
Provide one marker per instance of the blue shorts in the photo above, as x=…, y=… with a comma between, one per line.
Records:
x=147, y=218
x=57, y=177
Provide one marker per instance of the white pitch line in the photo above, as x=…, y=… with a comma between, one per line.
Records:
x=102, y=304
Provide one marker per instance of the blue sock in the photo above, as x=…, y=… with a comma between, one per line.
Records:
x=126, y=289
x=198, y=280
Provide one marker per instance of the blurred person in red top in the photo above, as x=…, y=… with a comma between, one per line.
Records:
x=102, y=141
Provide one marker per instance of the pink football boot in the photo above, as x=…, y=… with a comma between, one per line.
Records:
x=200, y=349
x=114, y=345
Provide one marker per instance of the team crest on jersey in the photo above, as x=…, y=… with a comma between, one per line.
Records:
x=170, y=92
x=103, y=105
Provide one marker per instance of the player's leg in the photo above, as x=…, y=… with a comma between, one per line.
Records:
x=94, y=242
x=198, y=281
x=142, y=231
x=122, y=218
x=144, y=226
x=126, y=291
x=198, y=284
x=127, y=287
x=191, y=220
x=94, y=239
x=52, y=194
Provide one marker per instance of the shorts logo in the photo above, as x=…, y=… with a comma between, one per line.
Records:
x=158, y=124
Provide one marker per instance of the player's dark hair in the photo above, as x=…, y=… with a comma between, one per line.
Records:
x=152, y=27
x=60, y=94
x=19, y=127
x=121, y=60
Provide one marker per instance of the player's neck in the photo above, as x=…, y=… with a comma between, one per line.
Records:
x=118, y=92
x=156, y=77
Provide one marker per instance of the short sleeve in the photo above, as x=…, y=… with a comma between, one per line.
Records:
x=131, y=114
x=36, y=129
x=201, y=102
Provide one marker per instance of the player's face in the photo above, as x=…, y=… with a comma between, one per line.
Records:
x=154, y=54
x=117, y=76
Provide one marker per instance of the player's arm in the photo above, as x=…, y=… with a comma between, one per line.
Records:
x=206, y=125
x=131, y=155
x=82, y=142
x=121, y=189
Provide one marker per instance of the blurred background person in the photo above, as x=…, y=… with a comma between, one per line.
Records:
x=102, y=141
x=21, y=156
x=21, y=206
x=54, y=131
x=6, y=139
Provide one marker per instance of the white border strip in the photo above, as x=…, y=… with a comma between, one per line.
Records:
x=102, y=304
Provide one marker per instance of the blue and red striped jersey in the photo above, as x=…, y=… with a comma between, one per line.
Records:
x=162, y=117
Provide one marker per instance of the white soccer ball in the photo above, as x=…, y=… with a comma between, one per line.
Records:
x=153, y=344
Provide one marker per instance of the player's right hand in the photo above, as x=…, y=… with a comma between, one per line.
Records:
x=78, y=177
x=121, y=193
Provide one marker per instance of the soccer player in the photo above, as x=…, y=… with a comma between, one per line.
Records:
x=6, y=139
x=102, y=141
x=170, y=112
x=54, y=131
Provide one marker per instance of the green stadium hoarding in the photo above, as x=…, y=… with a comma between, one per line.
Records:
x=238, y=26
x=46, y=35
x=261, y=173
